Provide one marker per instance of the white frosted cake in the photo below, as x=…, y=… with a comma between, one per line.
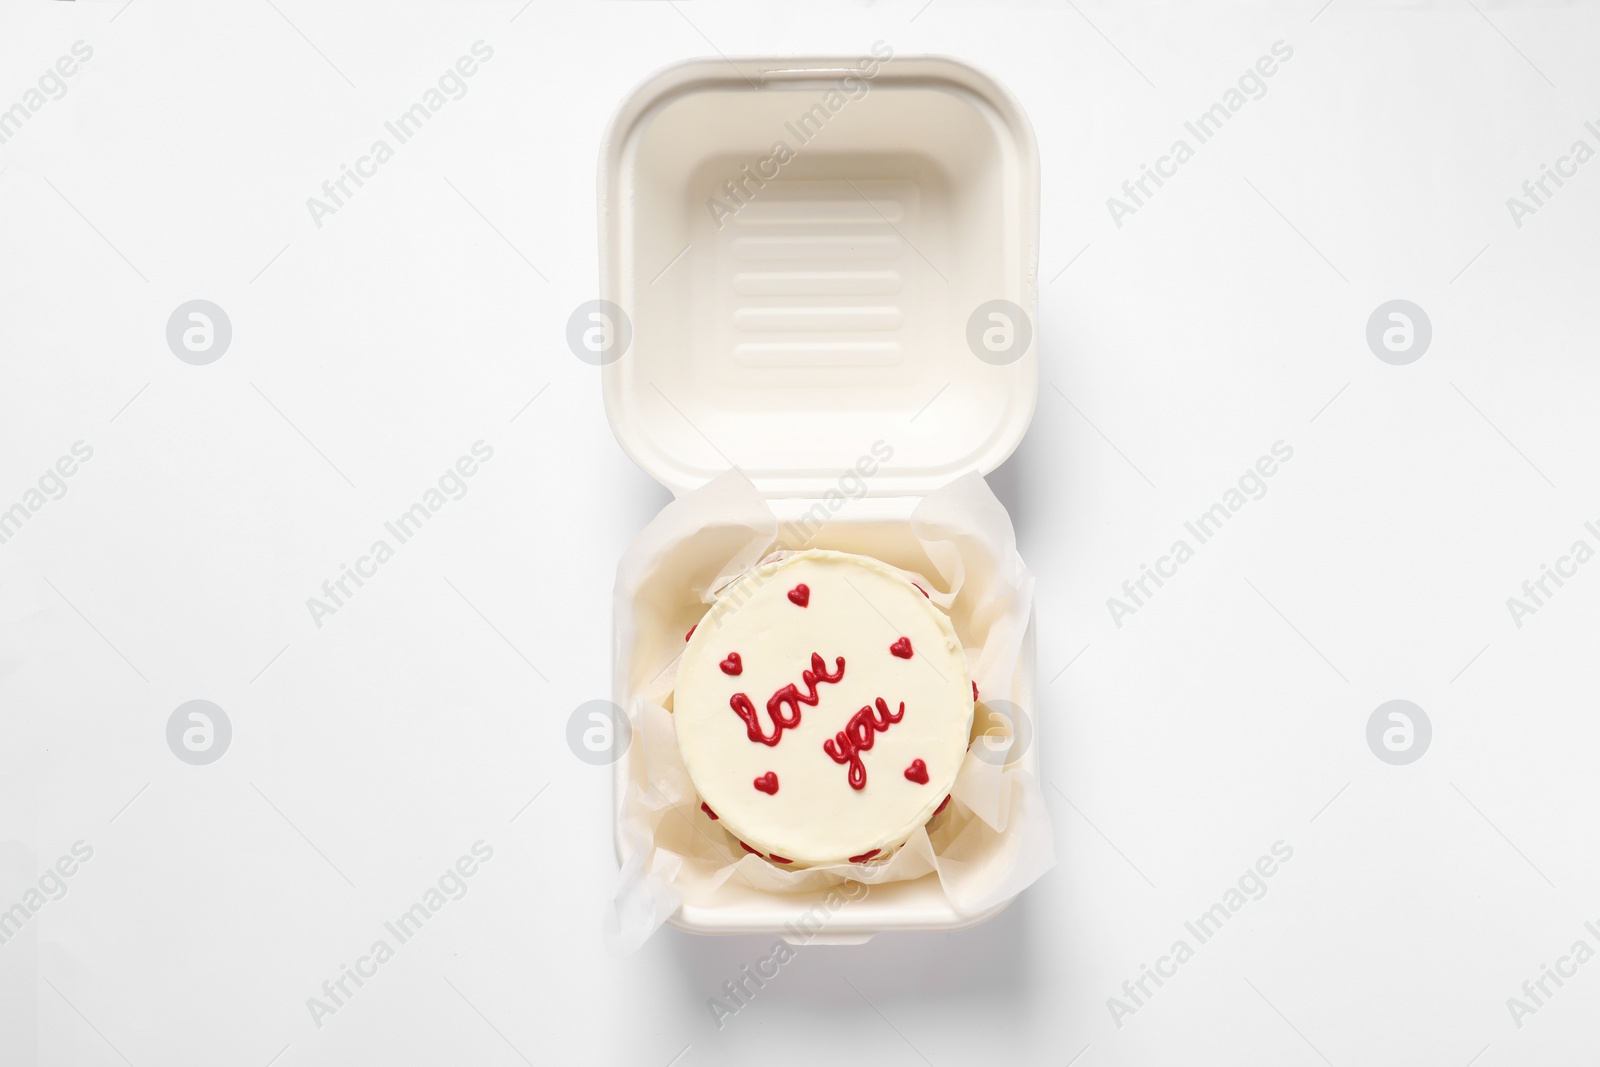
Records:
x=823, y=707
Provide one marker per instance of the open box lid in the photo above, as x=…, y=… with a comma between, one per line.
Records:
x=822, y=265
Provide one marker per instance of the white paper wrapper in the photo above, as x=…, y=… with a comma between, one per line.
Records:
x=991, y=842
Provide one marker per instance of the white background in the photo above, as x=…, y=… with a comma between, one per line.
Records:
x=369, y=353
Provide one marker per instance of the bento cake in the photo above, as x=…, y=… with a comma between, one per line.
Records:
x=823, y=707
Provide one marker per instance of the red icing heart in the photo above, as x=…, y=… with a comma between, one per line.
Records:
x=918, y=772
x=801, y=594
x=865, y=856
x=943, y=804
x=733, y=664
x=768, y=783
x=692, y=629
x=748, y=849
x=713, y=814
x=902, y=648
x=775, y=858
x=974, y=691
x=921, y=590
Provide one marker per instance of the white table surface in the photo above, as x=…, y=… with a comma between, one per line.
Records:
x=1227, y=714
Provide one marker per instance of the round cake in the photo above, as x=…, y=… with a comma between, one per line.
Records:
x=823, y=707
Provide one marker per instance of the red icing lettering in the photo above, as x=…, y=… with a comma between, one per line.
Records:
x=801, y=594
x=902, y=648
x=857, y=736
x=733, y=664
x=789, y=696
x=917, y=772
